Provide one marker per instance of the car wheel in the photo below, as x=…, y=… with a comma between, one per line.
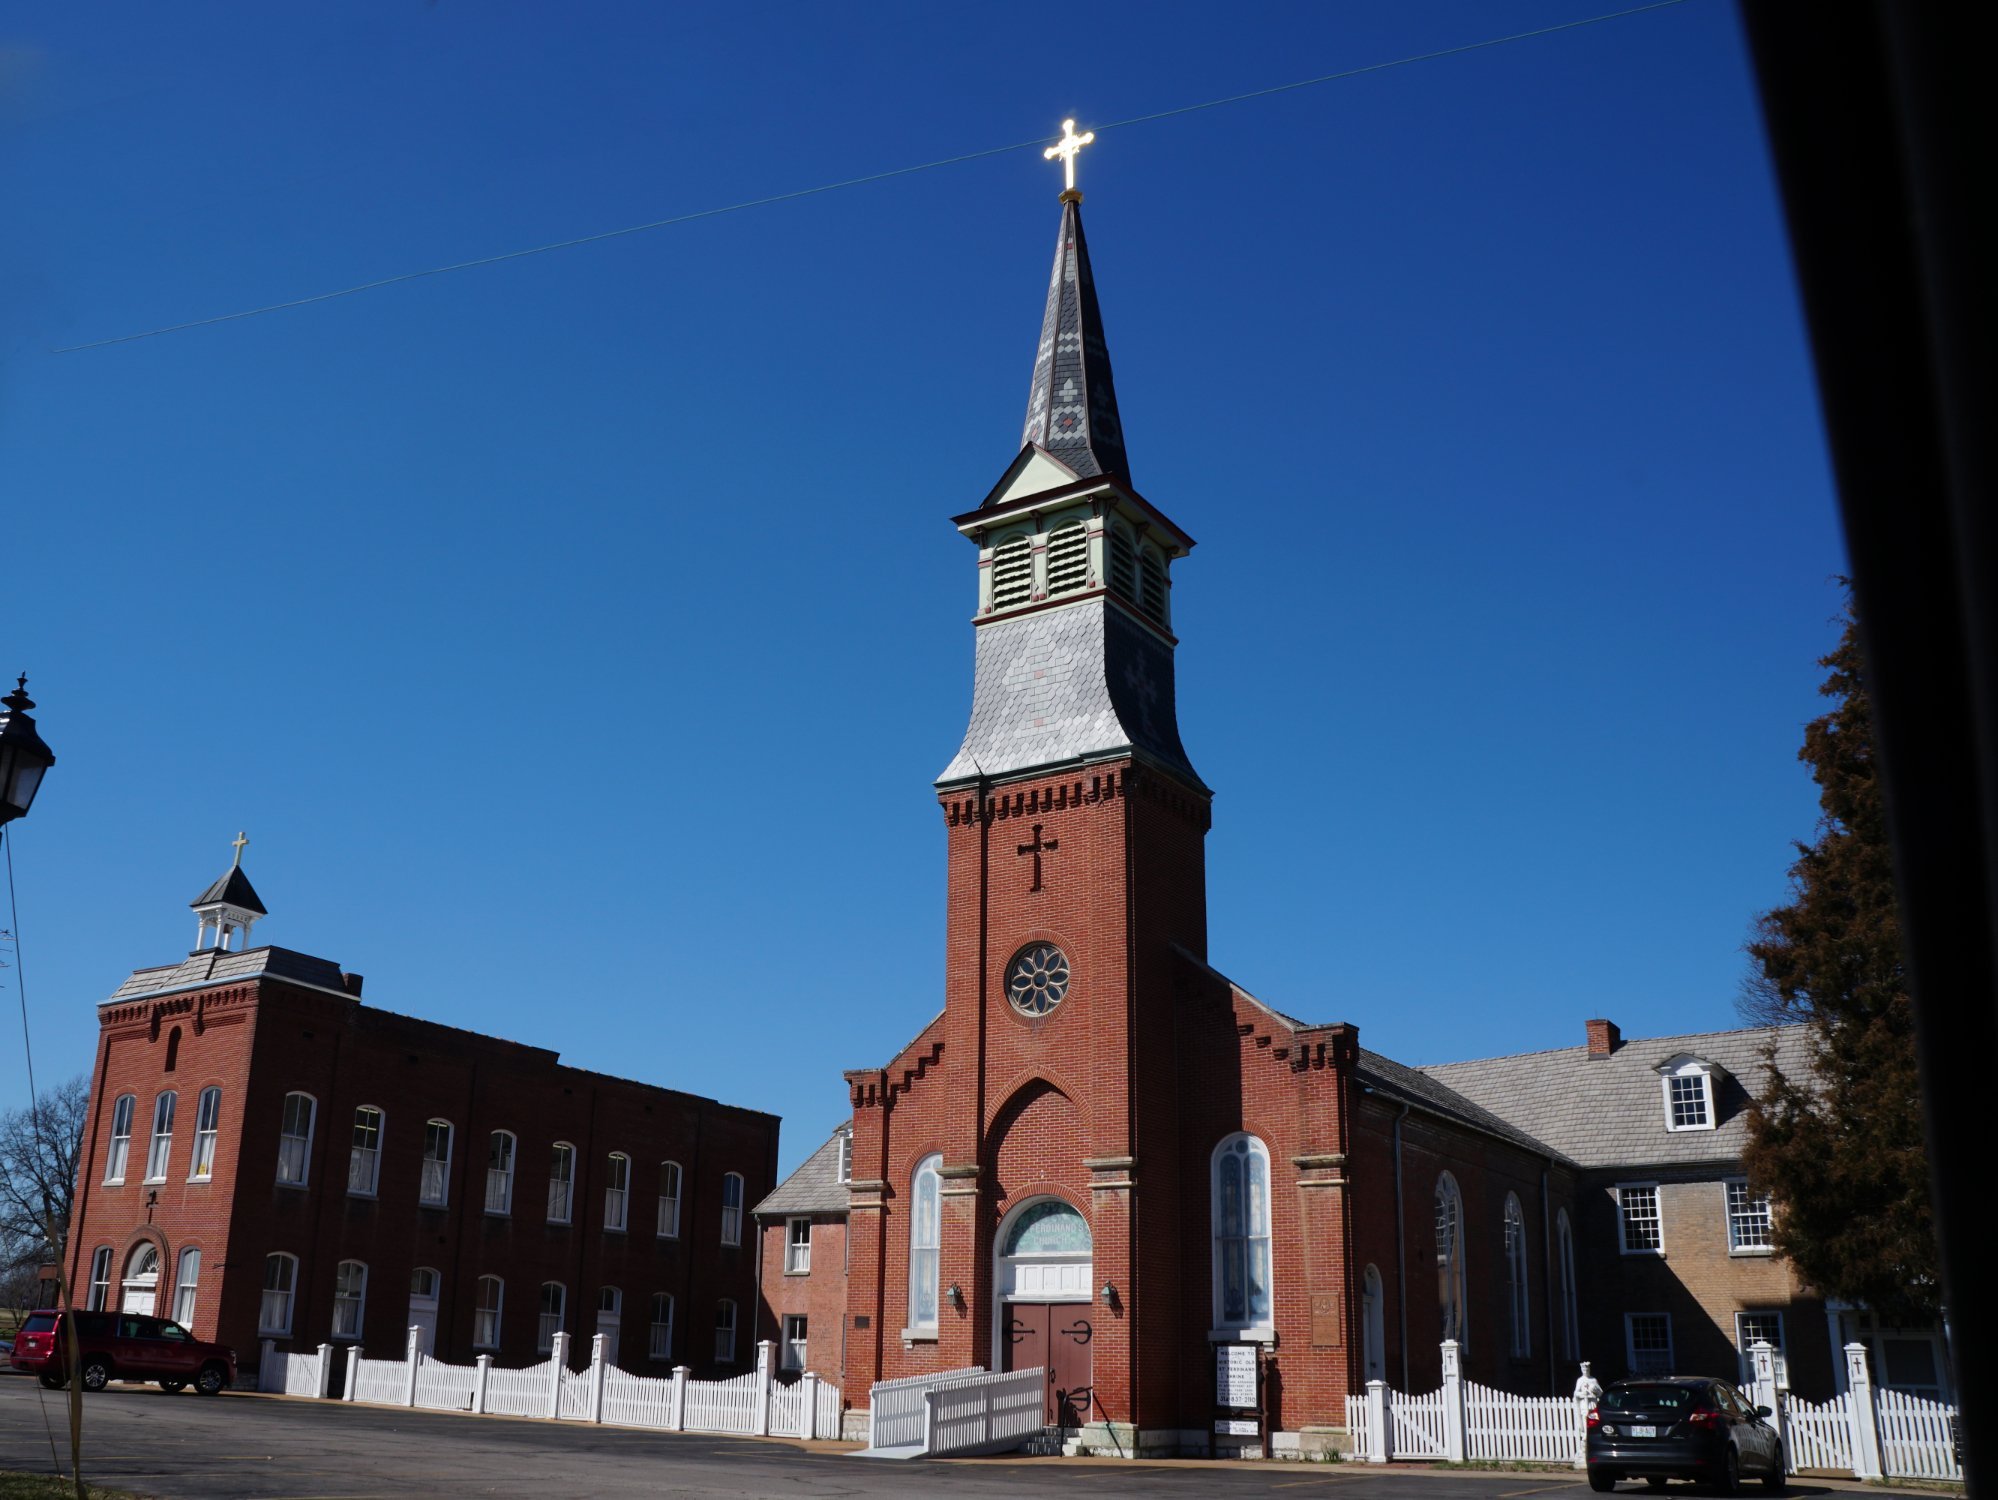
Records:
x=1600, y=1482
x=53, y=1381
x=96, y=1374
x=211, y=1380
x=173, y=1385
x=1773, y=1480
x=1729, y=1482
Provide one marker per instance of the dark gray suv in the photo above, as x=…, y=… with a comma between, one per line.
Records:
x=1681, y=1428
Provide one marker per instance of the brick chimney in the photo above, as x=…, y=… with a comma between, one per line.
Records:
x=1604, y=1038
x=351, y=983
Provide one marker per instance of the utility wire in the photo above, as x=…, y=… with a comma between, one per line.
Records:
x=833, y=187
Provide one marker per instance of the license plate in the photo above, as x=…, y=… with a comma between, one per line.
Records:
x=1644, y=1432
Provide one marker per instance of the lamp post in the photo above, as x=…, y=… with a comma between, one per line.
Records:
x=23, y=755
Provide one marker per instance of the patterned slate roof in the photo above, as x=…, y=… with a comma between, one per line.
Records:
x=214, y=966
x=1057, y=686
x=814, y=1188
x=234, y=887
x=1610, y=1111
x=1071, y=403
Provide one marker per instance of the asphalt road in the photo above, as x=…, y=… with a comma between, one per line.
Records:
x=239, y=1445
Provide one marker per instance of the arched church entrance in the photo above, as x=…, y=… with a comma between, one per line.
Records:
x=142, y=1280
x=1042, y=1270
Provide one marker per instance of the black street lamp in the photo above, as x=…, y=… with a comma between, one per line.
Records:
x=23, y=755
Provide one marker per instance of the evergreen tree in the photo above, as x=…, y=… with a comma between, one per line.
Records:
x=1841, y=1153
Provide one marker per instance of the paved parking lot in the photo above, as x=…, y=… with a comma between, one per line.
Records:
x=185, y=1448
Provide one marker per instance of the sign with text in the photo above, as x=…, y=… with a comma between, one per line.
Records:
x=1235, y=1376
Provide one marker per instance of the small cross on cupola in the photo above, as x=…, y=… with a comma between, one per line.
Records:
x=228, y=907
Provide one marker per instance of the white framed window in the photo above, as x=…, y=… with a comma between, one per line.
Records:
x=669, y=1200
x=424, y=1284
x=1748, y=1222
x=845, y=1172
x=1689, y=1094
x=499, y=1172
x=435, y=1188
x=791, y=1352
x=121, y=1139
x=100, y=1279
x=731, y=1214
x=350, y=1298
x=1647, y=1340
x=617, y=1191
x=725, y=1331
x=160, y=1149
x=1068, y=558
x=1640, y=1230
x=1517, y=1301
x=1240, y=1190
x=561, y=1182
x=659, y=1338
x=280, y=1281
x=1752, y=1328
x=610, y=1319
x=486, y=1313
x=364, y=1157
x=1571, y=1335
x=207, y=1126
x=554, y=1307
x=1373, y=1325
x=1452, y=1321
x=925, y=1195
x=186, y=1286
x=295, y=1139
x=1012, y=572
x=797, y=1247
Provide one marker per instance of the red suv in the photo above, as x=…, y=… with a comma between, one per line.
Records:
x=121, y=1346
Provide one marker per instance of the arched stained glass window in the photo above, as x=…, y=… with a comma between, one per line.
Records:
x=1515, y=1277
x=1450, y=1260
x=1049, y=1228
x=924, y=1194
x=1242, y=1233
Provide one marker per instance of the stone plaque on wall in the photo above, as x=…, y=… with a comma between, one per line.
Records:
x=1325, y=1320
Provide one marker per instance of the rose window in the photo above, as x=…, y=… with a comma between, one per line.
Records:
x=1037, y=979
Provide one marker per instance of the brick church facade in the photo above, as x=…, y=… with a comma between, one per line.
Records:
x=1106, y=1159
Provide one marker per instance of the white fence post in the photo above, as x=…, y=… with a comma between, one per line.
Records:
x=1587, y=1389
x=353, y=1371
x=811, y=1385
x=1762, y=1359
x=929, y=1416
x=680, y=1374
x=1865, y=1416
x=1453, y=1402
x=558, y=1361
x=412, y=1352
x=482, y=1371
x=325, y=1372
x=597, y=1378
x=763, y=1347
x=1377, y=1421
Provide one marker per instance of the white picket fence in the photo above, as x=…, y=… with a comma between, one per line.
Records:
x=294, y=1374
x=985, y=1413
x=1916, y=1440
x=1818, y=1434
x=1533, y=1429
x=895, y=1409
x=752, y=1405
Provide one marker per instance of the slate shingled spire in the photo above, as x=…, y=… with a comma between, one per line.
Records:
x=1072, y=404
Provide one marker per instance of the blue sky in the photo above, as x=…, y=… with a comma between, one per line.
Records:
x=577, y=638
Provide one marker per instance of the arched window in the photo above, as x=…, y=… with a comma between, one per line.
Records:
x=561, y=1182
x=295, y=1139
x=1564, y=1241
x=1241, y=1218
x=121, y=1139
x=725, y=1331
x=100, y=1279
x=1515, y=1278
x=659, y=1342
x=669, y=1200
x=142, y=1280
x=364, y=1157
x=554, y=1304
x=1373, y=1324
x=499, y=1172
x=1012, y=572
x=207, y=1125
x=617, y=1189
x=350, y=1298
x=280, y=1279
x=436, y=1183
x=1123, y=564
x=1068, y=558
x=160, y=1149
x=731, y=1215
x=1152, y=584
x=1450, y=1260
x=486, y=1313
x=186, y=1283
x=924, y=1193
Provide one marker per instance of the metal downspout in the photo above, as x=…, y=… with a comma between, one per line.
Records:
x=1400, y=1249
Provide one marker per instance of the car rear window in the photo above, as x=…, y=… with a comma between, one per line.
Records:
x=39, y=1323
x=1648, y=1398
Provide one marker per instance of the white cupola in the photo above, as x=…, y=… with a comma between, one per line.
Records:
x=226, y=910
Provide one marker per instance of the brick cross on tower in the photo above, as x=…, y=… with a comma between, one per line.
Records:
x=1037, y=848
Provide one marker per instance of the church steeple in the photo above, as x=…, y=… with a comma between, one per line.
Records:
x=1072, y=401
x=228, y=908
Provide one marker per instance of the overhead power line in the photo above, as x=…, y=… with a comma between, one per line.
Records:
x=850, y=182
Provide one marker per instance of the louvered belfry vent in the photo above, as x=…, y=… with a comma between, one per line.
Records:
x=1012, y=572
x=1068, y=558
x=1122, y=567
x=1152, y=585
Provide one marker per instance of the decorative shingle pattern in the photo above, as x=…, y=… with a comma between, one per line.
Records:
x=1610, y=1111
x=214, y=966
x=1071, y=404
x=814, y=1188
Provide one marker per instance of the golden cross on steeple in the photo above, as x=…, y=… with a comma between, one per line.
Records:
x=1066, y=148
x=239, y=841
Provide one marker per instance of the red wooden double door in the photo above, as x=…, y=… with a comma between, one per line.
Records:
x=1054, y=1337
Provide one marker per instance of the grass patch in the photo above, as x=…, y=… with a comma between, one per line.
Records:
x=15, y=1485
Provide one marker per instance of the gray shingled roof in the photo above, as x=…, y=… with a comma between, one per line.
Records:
x=814, y=1188
x=231, y=886
x=1416, y=1086
x=214, y=966
x=1071, y=403
x=1610, y=1111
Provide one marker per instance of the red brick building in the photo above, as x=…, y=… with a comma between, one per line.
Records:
x=268, y=1158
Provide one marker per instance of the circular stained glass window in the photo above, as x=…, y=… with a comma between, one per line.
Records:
x=1037, y=979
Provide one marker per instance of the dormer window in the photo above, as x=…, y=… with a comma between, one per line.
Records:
x=1068, y=558
x=1689, y=1093
x=1012, y=572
